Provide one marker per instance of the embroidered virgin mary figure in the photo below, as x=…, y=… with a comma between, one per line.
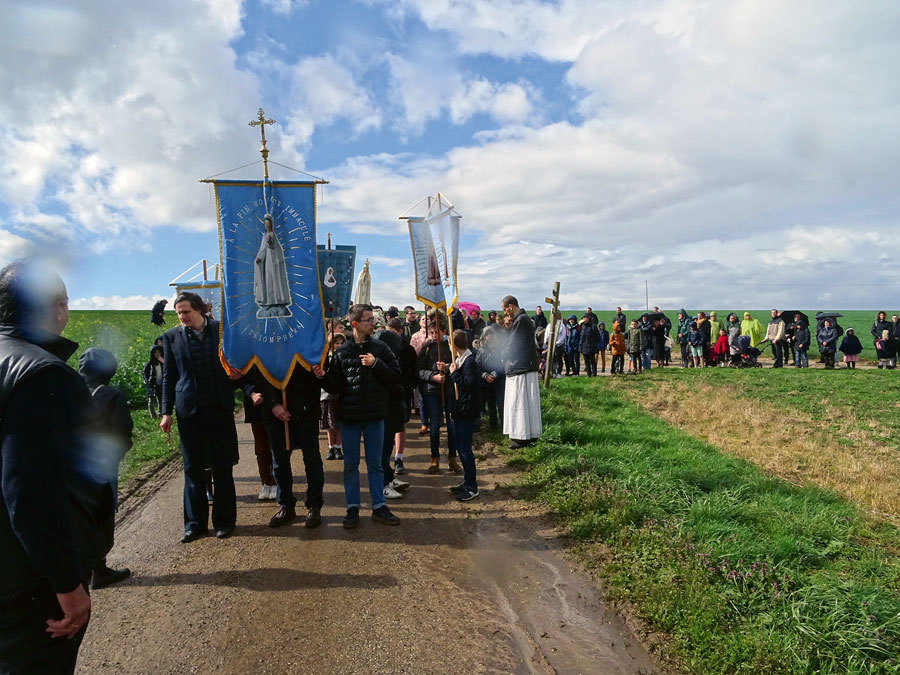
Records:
x=270, y=281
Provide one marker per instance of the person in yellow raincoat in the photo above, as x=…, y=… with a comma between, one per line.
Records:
x=753, y=328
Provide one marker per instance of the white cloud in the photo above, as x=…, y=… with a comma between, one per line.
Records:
x=13, y=247
x=284, y=7
x=115, y=302
x=324, y=90
x=96, y=124
x=425, y=87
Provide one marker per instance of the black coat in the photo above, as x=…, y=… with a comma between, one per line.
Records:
x=52, y=503
x=590, y=338
x=202, y=439
x=364, y=390
x=540, y=321
x=302, y=392
x=521, y=351
x=179, y=380
x=396, y=416
x=467, y=379
x=801, y=336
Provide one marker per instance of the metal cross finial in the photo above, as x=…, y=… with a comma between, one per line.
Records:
x=261, y=122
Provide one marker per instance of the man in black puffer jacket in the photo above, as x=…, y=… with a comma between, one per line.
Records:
x=53, y=496
x=362, y=372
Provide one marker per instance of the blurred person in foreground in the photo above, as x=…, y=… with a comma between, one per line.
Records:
x=112, y=427
x=54, y=494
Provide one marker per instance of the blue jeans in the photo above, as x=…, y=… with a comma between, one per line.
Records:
x=646, y=357
x=464, y=431
x=802, y=358
x=372, y=436
x=437, y=416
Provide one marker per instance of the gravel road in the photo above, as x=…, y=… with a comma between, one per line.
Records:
x=481, y=587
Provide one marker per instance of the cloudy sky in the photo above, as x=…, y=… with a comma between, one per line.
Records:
x=730, y=154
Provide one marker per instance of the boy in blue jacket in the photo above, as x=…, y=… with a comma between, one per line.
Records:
x=465, y=374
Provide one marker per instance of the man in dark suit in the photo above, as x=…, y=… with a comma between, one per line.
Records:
x=196, y=385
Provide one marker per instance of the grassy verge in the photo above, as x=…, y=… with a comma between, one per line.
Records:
x=150, y=447
x=745, y=572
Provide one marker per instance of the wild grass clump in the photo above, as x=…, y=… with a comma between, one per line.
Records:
x=745, y=572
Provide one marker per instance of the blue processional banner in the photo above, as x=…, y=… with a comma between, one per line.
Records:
x=336, y=267
x=272, y=303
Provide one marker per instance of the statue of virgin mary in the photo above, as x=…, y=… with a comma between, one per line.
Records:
x=270, y=281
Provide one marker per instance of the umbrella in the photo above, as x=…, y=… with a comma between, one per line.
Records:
x=828, y=315
x=468, y=307
x=653, y=316
x=787, y=315
x=363, y=293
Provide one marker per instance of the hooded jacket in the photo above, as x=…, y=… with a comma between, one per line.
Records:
x=617, y=340
x=827, y=337
x=634, y=342
x=589, y=342
x=851, y=345
x=573, y=334
x=754, y=329
x=684, y=325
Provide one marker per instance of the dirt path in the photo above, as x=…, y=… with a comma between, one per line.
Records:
x=477, y=587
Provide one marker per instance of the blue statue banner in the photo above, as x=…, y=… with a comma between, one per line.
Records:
x=336, y=268
x=272, y=311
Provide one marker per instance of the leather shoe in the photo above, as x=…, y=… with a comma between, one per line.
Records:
x=192, y=535
x=106, y=576
x=224, y=532
x=313, y=518
x=285, y=515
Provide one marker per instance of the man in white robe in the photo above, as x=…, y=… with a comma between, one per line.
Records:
x=522, y=404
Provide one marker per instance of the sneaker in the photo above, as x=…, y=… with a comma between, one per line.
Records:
x=338, y=452
x=391, y=493
x=383, y=515
x=467, y=495
x=331, y=453
x=399, y=485
x=351, y=520
x=457, y=489
x=399, y=469
x=263, y=493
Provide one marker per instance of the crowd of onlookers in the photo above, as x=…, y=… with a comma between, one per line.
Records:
x=704, y=340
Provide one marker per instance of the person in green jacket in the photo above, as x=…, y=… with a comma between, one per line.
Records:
x=634, y=343
x=753, y=328
x=684, y=326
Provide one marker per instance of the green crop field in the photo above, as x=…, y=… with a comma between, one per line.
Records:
x=129, y=335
